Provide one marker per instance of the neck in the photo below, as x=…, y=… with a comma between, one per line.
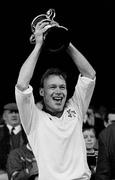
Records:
x=56, y=113
x=90, y=150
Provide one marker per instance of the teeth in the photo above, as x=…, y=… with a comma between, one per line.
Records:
x=56, y=98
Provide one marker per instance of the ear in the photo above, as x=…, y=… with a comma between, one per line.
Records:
x=4, y=115
x=41, y=91
x=105, y=124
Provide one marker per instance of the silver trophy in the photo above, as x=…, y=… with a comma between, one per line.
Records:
x=56, y=38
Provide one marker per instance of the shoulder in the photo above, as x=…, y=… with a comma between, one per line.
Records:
x=4, y=134
x=109, y=129
x=108, y=133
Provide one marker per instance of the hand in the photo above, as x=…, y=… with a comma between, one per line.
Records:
x=34, y=169
x=41, y=28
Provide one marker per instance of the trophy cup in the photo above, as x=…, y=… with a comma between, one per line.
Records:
x=56, y=38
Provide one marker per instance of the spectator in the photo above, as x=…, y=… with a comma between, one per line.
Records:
x=21, y=164
x=90, y=116
x=96, y=121
x=106, y=154
x=92, y=153
x=110, y=117
x=101, y=111
x=11, y=132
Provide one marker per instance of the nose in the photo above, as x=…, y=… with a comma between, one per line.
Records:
x=89, y=139
x=13, y=113
x=58, y=91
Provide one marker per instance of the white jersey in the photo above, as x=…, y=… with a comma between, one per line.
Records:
x=58, y=143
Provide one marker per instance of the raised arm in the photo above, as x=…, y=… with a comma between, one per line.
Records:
x=27, y=69
x=81, y=62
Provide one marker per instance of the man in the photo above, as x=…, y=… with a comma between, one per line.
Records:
x=106, y=155
x=11, y=132
x=55, y=132
x=11, y=116
x=21, y=163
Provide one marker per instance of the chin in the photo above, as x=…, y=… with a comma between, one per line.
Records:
x=59, y=109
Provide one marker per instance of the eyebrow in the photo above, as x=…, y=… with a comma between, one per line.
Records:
x=11, y=110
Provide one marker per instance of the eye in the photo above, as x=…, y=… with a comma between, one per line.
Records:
x=85, y=136
x=92, y=136
x=63, y=87
x=52, y=87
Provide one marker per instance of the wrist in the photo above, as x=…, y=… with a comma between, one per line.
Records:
x=38, y=46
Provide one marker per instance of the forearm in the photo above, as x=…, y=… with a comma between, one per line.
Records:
x=81, y=62
x=27, y=69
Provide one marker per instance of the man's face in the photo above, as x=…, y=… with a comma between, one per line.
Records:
x=54, y=93
x=11, y=117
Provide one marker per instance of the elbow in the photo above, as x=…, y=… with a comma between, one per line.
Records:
x=93, y=74
x=22, y=86
x=90, y=74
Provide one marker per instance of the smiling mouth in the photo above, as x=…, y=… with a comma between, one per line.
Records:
x=89, y=144
x=14, y=119
x=58, y=100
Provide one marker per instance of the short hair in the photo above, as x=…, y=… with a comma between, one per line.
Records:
x=53, y=71
x=111, y=110
x=89, y=127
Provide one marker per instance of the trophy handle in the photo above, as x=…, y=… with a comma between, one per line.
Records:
x=49, y=16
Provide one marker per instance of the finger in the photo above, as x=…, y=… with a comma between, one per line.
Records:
x=43, y=22
x=42, y=30
x=54, y=23
x=41, y=27
x=46, y=28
